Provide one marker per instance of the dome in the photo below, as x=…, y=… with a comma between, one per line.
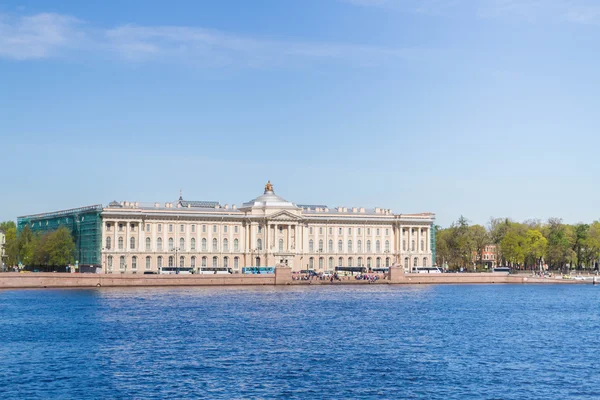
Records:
x=269, y=200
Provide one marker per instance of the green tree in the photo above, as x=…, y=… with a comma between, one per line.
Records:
x=580, y=236
x=513, y=248
x=480, y=238
x=6, y=225
x=535, y=246
x=592, y=243
x=559, y=247
x=11, y=247
x=60, y=247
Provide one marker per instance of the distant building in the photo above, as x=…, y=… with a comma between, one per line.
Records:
x=2, y=250
x=488, y=256
x=131, y=237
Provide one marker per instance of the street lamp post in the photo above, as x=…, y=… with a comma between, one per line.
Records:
x=176, y=261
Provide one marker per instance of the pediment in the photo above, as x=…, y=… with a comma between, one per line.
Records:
x=283, y=216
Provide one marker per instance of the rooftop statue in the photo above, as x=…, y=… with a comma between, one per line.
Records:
x=268, y=187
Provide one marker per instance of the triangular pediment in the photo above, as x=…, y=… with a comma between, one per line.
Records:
x=283, y=216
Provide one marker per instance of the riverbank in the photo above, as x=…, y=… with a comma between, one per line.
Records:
x=281, y=277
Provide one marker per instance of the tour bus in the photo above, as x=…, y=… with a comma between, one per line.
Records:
x=505, y=270
x=341, y=270
x=176, y=270
x=258, y=270
x=385, y=270
x=214, y=271
x=426, y=270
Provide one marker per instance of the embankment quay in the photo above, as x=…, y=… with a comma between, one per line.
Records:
x=282, y=276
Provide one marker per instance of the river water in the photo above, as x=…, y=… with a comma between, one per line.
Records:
x=372, y=341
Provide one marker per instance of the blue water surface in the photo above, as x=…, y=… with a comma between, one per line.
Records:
x=338, y=342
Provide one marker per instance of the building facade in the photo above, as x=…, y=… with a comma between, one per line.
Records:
x=266, y=231
x=488, y=257
x=2, y=250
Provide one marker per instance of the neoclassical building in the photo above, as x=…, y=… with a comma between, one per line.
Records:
x=266, y=231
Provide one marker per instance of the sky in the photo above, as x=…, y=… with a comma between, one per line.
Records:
x=483, y=108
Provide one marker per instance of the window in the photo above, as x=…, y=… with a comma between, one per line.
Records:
x=215, y=244
x=387, y=245
x=225, y=229
x=236, y=245
x=181, y=262
x=340, y=262
x=320, y=244
x=360, y=262
x=310, y=230
x=204, y=261
x=320, y=262
x=132, y=226
x=280, y=229
x=349, y=231
x=148, y=261
x=331, y=233
x=378, y=262
x=132, y=243
x=257, y=262
x=377, y=232
x=160, y=227
x=359, y=246
x=330, y=246
x=225, y=262
x=203, y=244
x=159, y=262
x=349, y=246
x=260, y=229
x=171, y=245
x=133, y=262
x=170, y=228
x=147, y=227
x=108, y=242
x=235, y=230
x=377, y=246
x=193, y=228
x=412, y=246
x=182, y=244
x=108, y=226
x=203, y=228
x=181, y=228
x=193, y=243
x=122, y=262
x=120, y=243
x=193, y=260
x=214, y=229
x=159, y=244
x=110, y=262
x=148, y=244
x=236, y=263
x=340, y=231
x=340, y=246
x=422, y=245
x=404, y=245
x=387, y=232
x=259, y=244
x=368, y=245
x=311, y=263
x=350, y=261
x=330, y=263
x=387, y=262
x=359, y=231
x=120, y=227
x=320, y=230
x=225, y=245
x=368, y=231
x=311, y=246
x=215, y=262
x=171, y=261
x=280, y=245
x=369, y=262
x=416, y=261
x=406, y=263
x=424, y=261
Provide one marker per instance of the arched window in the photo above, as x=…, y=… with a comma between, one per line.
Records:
x=349, y=246
x=236, y=263
x=225, y=245
x=259, y=244
x=340, y=262
x=369, y=262
x=193, y=261
x=378, y=262
x=340, y=246
x=122, y=262
x=159, y=262
x=181, y=261
x=159, y=244
x=193, y=243
x=171, y=261
x=225, y=262
x=331, y=263
x=424, y=261
x=415, y=261
x=377, y=246
x=148, y=261
x=360, y=262
x=236, y=245
x=171, y=245
x=350, y=261
x=387, y=262
x=215, y=245
x=134, y=263
x=257, y=262
x=368, y=246
x=311, y=263
x=204, y=259
x=406, y=262
x=280, y=245
x=132, y=243
x=203, y=244
x=110, y=262
x=330, y=246
x=321, y=245
x=215, y=262
x=120, y=243
x=108, y=243
x=148, y=244
x=359, y=246
x=320, y=262
x=311, y=246
x=182, y=244
x=387, y=245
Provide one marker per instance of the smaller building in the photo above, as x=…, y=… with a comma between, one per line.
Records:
x=2, y=250
x=489, y=256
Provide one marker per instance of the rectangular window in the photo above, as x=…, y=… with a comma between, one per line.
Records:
x=368, y=231
x=147, y=227
x=339, y=231
x=331, y=231
x=181, y=228
x=203, y=228
x=377, y=232
x=225, y=229
x=170, y=227
x=160, y=227
x=193, y=228
x=214, y=229
x=320, y=231
x=235, y=229
x=349, y=231
x=310, y=230
x=359, y=231
x=387, y=232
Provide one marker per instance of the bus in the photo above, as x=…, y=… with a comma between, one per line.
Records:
x=505, y=270
x=176, y=270
x=258, y=270
x=426, y=270
x=351, y=270
x=214, y=271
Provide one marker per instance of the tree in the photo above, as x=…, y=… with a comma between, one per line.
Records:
x=592, y=243
x=581, y=232
x=6, y=225
x=11, y=247
x=559, y=247
x=535, y=244
x=513, y=248
x=479, y=240
x=60, y=247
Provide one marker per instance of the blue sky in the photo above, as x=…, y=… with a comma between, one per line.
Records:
x=481, y=108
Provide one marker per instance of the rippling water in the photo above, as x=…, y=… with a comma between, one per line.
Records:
x=377, y=341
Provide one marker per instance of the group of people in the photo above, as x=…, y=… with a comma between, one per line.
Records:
x=367, y=277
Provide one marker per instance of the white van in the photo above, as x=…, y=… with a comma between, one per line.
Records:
x=426, y=270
